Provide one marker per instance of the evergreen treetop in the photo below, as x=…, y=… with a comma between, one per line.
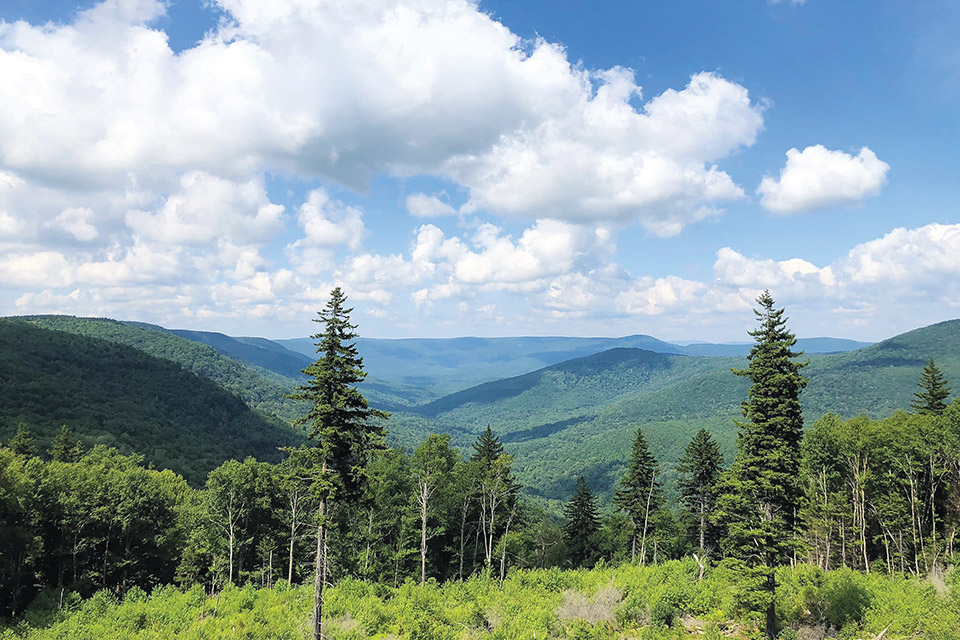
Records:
x=933, y=391
x=699, y=467
x=487, y=449
x=699, y=470
x=340, y=420
x=640, y=481
x=582, y=523
x=64, y=448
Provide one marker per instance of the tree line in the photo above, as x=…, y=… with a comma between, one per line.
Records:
x=862, y=493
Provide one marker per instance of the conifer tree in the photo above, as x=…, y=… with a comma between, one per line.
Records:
x=22, y=442
x=582, y=524
x=487, y=448
x=64, y=448
x=699, y=474
x=639, y=494
x=762, y=491
x=934, y=390
x=341, y=423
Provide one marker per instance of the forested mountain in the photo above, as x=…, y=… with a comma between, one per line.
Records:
x=255, y=352
x=414, y=371
x=436, y=367
x=113, y=394
x=577, y=417
x=807, y=345
x=258, y=390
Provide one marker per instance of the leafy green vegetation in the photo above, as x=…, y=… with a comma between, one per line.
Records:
x=663, y=602
x=115, y=395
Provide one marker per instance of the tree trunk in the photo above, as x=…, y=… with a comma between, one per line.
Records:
x=503, y=539
x=703, y=524
x=646, y=521
x=463, y=531
x=424, y=502
x=772, y=607
x=293, y=541
x=231, y=539
x=320, y=572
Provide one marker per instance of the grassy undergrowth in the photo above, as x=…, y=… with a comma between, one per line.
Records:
x=652, y=603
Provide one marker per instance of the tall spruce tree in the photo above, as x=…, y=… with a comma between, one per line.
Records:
x=699, y=470
x=582, y=524
x=933, y=391
x=639, y=495
x=487, y=448
x=762, y=491
x=341, y=423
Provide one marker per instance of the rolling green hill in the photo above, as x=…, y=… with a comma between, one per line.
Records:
x=258, y=390
x=407, y=372
x=419, y=370
x=263, y=353
x=572, y=417
x=114, y=394
x=578, y=417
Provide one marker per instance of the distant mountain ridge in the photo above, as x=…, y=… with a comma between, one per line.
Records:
x=573, y=416
x=423, y=369
x=578, y=417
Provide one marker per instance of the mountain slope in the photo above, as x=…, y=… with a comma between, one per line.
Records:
x=578, y=417
x=257, y=390
x=807, y=345
x=116, y=395
x=277, y=359
x=415, y=371
x=425, y=369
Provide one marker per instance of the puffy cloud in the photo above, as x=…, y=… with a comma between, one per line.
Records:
x=603, y=159
x=398, y=86
x=328, y=222
x=207, y=207
x=818, y=178
x=421, y=205
x=39, y=269
x=908, y=257
x=78, y=222
x=735, y=269
x=9, y=226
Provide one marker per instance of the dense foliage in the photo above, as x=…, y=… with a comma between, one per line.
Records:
x=664, y=602
x=115, y=395
x=259, y=391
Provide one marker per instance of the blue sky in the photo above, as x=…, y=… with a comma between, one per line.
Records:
x=492, y=168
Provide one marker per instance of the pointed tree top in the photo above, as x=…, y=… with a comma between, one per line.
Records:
x=933, y=391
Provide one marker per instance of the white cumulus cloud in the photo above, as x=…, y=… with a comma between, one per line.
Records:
x=818, y=178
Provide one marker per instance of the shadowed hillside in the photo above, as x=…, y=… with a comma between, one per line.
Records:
x=113, y=394
x=259, y=391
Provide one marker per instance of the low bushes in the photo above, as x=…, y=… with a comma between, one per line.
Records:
x=653, y=603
